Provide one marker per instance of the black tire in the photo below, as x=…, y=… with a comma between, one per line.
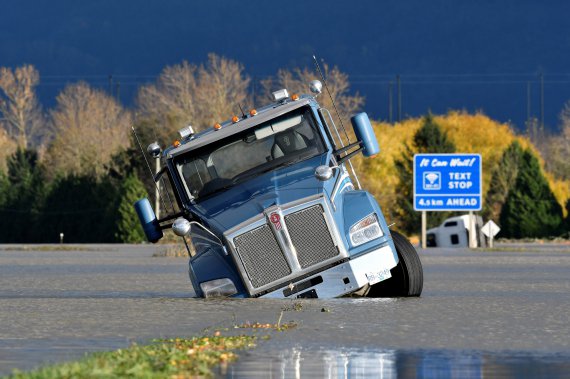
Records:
x=407, y=277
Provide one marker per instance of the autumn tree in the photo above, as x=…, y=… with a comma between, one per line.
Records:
x=188, y=94
x=90, y=127
x=21, y=115
x=429, y=139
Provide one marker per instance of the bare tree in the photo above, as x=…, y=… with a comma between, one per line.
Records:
x=187, y=94
x=555, y=148
x=169, y=103
x=222, y=88
x=90, y=127
x=21, y=114
x=7, y=148
x=297, y=81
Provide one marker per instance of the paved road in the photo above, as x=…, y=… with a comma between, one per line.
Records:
x=504, y=313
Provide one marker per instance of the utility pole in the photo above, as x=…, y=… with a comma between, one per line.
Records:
x=399, y=98
x=111, y=85
x=541, y=103
x=529, y=123
x=390, y=119
x=118, y=91
x=528, y=104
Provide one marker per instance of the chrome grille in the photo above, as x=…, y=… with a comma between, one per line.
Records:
x=261, y=256
x=310, y=236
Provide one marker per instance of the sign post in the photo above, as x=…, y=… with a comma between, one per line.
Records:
x=448, y=182
x=490, y=229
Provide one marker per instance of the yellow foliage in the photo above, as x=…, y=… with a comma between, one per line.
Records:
x=471, y=133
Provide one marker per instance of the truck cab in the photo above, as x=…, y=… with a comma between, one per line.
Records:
x=273, y=208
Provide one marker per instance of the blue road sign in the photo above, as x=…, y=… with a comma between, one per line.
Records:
x=447, y=182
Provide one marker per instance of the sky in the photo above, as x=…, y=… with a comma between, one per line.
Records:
x=484, y=56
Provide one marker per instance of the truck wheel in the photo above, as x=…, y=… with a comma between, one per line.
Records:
x=407, y=277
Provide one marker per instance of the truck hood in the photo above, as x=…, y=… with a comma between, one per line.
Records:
x=250, y=198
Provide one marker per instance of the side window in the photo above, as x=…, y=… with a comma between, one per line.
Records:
x=454, y=239
x=450, y=224
x=195, y=174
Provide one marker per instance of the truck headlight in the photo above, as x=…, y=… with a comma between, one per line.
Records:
x=218, y=288
x=365, y=230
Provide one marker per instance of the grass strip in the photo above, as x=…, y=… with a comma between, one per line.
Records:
x=170, y=358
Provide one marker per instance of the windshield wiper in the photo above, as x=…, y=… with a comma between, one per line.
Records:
x=215, y=191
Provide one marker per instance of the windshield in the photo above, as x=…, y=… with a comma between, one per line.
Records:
x=276, y=143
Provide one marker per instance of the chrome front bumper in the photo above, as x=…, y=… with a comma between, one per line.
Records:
x=342, y=279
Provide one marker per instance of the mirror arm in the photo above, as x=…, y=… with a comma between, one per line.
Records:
x=166, y=226
x=171, y=217
x=341, y=160
x=348, y=147
x=159, y=174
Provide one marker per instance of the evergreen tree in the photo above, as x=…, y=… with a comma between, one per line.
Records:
x=84, y=208
x=128, y=227
x=4, y=188
x=429, y=139
x=503, y=178
x=22, y=198
x=530, y=210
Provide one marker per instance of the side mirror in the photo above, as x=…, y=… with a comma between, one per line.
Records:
x=364, y=133
x=181, y=227
x=323, y=173
x=148, y=220
x=154, y=150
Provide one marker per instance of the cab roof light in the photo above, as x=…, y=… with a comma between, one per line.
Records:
x=252, y=112
x=281, y=94
x=235, y=119
x=176, y=143
x=294, y=97
x=186, y=132
x=217, y=126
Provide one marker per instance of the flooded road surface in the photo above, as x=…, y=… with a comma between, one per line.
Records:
x=482, y=314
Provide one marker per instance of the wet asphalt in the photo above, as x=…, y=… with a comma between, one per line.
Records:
x=502, y=313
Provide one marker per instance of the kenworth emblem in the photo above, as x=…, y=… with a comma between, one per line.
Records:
x=275, y=220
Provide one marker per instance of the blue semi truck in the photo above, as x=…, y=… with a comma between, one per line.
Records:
x=273, y=208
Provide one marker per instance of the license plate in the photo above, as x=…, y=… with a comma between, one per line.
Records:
x=378, y=276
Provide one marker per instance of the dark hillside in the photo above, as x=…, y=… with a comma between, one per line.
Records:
x=471, y=55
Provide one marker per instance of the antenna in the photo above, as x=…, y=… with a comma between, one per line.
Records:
x=150, y=169
x=332, y=100
x=241, y=109
x=158, y=187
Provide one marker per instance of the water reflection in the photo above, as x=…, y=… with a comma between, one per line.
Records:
x=388, y=364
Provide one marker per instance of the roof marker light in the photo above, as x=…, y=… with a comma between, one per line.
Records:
x=176, y=143
x=235, y=119
x=252, y=112
x=217, y=127
x=282, y=94
x=186, y=132
x=294, y=97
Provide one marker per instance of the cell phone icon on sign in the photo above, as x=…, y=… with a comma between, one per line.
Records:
x=432, y=180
